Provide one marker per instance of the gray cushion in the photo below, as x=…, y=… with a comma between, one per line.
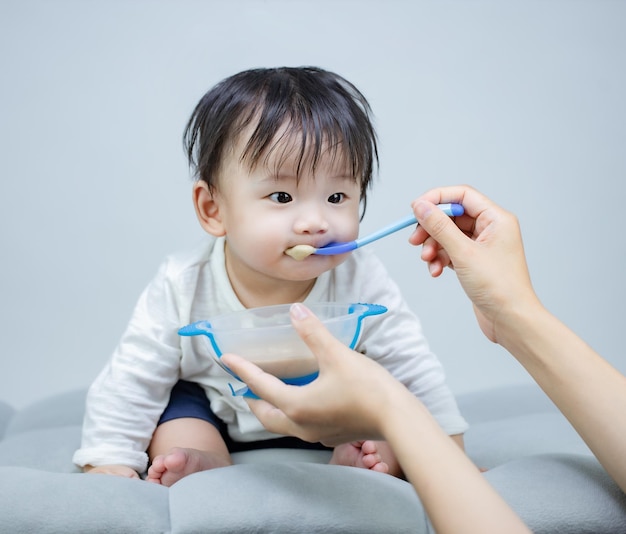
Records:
x=60, y=410
x=48, y=449
x=535, y=460
x=494, y=443
x=562, y=494
x=6, y=414
x=295, y=497
x=36, y=501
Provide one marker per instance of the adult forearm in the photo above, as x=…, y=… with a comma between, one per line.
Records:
x=584, y=386
x=443, y=476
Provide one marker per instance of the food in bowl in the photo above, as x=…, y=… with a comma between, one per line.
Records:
x=266, y=337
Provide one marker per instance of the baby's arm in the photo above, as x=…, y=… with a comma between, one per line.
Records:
x=126, y=400
x=118, y=470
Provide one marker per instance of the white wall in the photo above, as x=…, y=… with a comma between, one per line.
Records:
x=523, y=99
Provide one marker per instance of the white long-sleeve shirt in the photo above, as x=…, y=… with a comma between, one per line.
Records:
x=127, y=398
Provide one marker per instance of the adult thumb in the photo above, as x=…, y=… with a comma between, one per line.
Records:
x=440, y=227
x=320, y=341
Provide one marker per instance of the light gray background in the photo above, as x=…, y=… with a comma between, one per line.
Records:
x=522, y=99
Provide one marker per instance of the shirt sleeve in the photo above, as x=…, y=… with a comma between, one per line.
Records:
x=127, y=398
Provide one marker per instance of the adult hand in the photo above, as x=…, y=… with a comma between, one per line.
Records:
x=355, y=398
x=483, y=246
x=345, y=403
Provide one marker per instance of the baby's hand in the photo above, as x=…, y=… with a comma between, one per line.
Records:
x=117, y=470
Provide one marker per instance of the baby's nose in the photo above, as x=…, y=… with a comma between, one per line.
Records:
x=311, y=223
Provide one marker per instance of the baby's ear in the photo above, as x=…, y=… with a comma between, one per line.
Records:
x=207, y=209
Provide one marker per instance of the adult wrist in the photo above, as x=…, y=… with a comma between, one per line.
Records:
x=516, y=328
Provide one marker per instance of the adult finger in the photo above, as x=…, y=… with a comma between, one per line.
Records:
x=473, y=201
x=440, y=227
x=262, y=384
x=322, y=343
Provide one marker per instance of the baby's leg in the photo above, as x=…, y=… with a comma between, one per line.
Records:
x=374, y=455
x=183, y=446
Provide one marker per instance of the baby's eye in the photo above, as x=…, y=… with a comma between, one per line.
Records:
x=336, y=198
x=281, y=197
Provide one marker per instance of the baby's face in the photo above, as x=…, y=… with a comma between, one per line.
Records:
x=266, y=210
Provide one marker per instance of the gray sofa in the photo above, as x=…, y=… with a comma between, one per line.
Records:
x=534, y=459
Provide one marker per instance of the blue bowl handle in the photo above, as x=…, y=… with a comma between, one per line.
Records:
x=195, y=329
x=370, y=309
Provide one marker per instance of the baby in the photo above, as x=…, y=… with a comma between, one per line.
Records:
x=282, y=157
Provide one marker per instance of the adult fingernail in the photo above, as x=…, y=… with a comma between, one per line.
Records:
x=298, y=311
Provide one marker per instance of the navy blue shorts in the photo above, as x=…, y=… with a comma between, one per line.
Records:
x=188, y=399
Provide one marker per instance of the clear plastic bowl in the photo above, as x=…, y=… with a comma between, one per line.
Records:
x=266, y=337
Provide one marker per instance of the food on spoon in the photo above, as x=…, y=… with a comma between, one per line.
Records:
x=299, y=252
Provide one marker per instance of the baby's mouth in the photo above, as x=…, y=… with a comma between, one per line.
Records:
x=300, y=252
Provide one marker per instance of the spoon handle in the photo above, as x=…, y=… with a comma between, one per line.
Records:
x=448, y=209
x=394, y=227
x=342, y=248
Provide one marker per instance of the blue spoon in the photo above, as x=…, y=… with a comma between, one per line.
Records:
x=299, y=252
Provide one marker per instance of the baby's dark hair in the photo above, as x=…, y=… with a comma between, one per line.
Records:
x=322, y=108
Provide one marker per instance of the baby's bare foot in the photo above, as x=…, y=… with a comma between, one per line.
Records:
x=363, y=454
x=166, y=469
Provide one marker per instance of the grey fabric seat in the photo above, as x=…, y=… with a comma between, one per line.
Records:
x=534, y=459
